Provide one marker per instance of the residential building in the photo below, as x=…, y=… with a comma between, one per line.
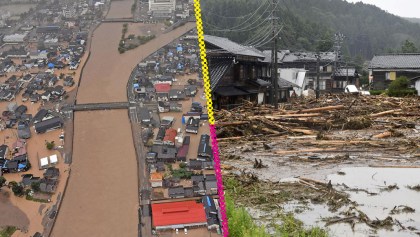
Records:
x=384, y=69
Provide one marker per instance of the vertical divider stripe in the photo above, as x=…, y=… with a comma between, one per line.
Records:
x=207, y=90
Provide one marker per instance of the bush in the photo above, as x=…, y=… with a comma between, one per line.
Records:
x=400, y=88
x=377, y=92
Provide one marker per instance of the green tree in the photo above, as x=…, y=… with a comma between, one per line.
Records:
x=2, y=181
x=35, y=186
x=50, y=145
x=409, y=47
x=18, y=190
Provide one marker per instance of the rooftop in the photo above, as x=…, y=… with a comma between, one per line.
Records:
x=396, y=61
x=178, y=213
x=232, y=47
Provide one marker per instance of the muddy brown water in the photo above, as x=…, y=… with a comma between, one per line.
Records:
x=102, y=196
x=11, y=215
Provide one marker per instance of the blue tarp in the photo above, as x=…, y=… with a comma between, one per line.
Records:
x=179, y=48
x=136, y=85
x=21, y=166
x=50, y=65
x=183, y=120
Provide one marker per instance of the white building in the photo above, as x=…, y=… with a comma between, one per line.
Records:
x=15, y=38
x=162, y=7
x=295, y=76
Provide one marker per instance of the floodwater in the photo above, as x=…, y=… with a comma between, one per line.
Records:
x=373, y=180
x=101, y=197
x=107, y=71
x=102, y=193
x=120, y=9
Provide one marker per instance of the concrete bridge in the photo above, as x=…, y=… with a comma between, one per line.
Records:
x=97, y=106
x=128, y=20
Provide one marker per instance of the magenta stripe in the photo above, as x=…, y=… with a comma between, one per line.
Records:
x=220, y=189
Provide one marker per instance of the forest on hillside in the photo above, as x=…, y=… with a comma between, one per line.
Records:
x=311, y=24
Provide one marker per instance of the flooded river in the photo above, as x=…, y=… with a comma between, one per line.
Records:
x=102, y=194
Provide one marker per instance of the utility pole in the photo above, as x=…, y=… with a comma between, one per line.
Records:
x=318, y=60
x=274, y=82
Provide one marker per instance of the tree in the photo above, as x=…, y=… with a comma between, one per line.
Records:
x=18, y=190
x=409, y=47
x=50, y=145
x=2, y=181
x=35, y=186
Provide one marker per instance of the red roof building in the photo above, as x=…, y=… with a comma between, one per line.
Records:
x=178, y=215
x=170, y=135
x=162, y=88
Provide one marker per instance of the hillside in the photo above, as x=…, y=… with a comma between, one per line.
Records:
x=368, y=29
x=414, y=20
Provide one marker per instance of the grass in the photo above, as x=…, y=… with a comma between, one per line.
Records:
x=241, y=224
x=7, y=231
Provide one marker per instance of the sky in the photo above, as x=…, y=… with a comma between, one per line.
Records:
x=403, y=8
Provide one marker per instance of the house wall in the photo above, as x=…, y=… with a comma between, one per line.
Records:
x=417, y=86
x=380, y=81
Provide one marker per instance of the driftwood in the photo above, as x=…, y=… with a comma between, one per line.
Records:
x=385, y=113
x=305, y=151
x=383, y=135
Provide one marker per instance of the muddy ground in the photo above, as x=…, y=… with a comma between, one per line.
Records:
x=284, y=160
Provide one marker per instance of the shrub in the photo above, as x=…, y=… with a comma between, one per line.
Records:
x=18, y=190
x=400, y=88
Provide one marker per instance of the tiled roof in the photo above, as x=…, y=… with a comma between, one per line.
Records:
x=218, y=70
x=232, y=47
x=342, y=72
x=411, y=61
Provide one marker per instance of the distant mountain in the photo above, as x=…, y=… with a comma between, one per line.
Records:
x=308, y=24
x=414, y=20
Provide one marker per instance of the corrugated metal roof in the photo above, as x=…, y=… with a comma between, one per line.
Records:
x=232, y=47
x=178, y=213
x=396, y=61
x=342, y=72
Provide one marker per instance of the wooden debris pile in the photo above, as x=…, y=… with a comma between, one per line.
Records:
x=311, y=117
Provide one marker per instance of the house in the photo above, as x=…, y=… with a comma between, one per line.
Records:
x=162, y=91
x=156, y=180
x=165, y=154
x=58, y=90
x=35, y=97
x=28, y=179
x=190, y=90
x=173, y=215
x=164, y=80
x=384, y=69
x=182, y=152
x=39, y=116
x=211, y=213
x=159, y=136
x=234, y=70
x=176, y=192
x=52, y=173
x=297, y=76
x=48, y=125
x=169, y=138
x=308, y=61
x=4, y=152
x=343, y=77
x=46, y=95
x=163, y=107
x=48, y=185
x=211, y=186
x=192, y=125
x=151, y=157
x=204, y=148
x=144, y=115
x=176, y=94
x=195, y=164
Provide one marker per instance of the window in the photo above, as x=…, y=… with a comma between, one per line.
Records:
x=390, y=76
x=322, y=84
